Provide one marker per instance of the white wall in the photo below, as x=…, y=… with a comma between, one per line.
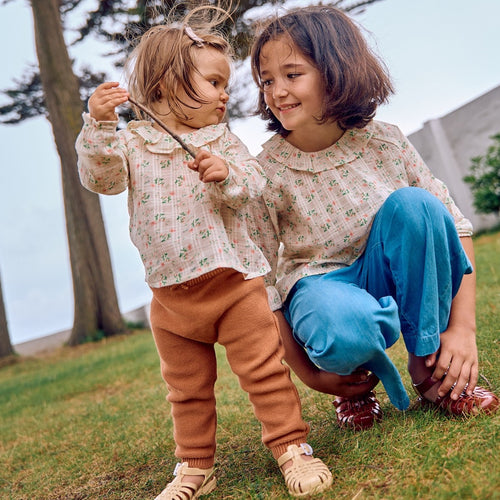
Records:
x=447, y=145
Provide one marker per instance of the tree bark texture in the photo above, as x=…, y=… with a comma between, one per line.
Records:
x=96, y=303
x=6, y=348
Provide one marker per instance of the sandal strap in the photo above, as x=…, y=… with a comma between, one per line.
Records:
x=183, y=469
x=295, y=451
x=178, y=490
x=303, y=477
x=480, y=400
x=359, y=412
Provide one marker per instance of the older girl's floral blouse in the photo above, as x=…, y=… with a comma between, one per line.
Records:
x=182, y=227
x=321, y=205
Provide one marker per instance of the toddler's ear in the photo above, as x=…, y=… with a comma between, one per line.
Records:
x=161, y=89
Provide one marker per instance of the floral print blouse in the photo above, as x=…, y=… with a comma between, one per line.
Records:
x=321, y=205
x=182, y=227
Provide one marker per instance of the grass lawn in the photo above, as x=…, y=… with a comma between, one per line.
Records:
x=92, y=423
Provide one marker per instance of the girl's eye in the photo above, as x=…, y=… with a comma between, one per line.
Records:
x=293, y=75
x=213, y=82
x=266, y=83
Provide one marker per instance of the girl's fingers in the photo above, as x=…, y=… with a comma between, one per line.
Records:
x=473, y=379
x=459, y=378
x=430, y=360
x=467, y=380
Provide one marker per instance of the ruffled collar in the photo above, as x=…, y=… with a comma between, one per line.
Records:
x=158, y=141
x=348, y=148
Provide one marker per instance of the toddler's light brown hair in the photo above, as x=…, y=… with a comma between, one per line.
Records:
x=162, y=63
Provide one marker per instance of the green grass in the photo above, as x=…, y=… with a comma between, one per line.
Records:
x=92, y=423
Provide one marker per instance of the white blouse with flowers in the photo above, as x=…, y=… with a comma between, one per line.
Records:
x=182, y=227
x=322, y=204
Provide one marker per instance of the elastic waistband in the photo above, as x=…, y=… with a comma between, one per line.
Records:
x=203, y=277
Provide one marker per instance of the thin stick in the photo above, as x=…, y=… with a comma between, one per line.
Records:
x=164, y=127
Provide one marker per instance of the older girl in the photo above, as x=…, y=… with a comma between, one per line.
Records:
x=371, y=242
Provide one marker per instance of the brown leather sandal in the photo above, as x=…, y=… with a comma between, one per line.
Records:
x=481, y=400
x=358, y=413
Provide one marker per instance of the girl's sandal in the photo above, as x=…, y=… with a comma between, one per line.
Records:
x=481, y=400
x=304, y=477
x=357, y=413
x=178, y=490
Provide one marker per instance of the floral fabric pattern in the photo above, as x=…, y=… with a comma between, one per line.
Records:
x=182, y=227
x=321, y=205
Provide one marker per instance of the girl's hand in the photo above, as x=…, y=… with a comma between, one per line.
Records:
x=356, y=384
x=209, y=167
x=105, y=99
x=457, y=362
x=457, y=359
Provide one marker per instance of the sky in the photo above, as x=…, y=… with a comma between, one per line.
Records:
x=440, y=54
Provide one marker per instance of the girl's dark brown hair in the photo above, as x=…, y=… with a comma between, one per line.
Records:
x=355, y=81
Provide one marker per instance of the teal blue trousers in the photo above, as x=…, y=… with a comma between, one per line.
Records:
x=404, y=282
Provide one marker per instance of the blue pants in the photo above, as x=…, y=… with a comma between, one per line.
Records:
x=404, y=282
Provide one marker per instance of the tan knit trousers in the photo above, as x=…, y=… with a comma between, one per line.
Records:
x=187, y=320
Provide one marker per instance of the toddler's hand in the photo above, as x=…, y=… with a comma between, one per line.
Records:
x=105, y=99
x=210, y=168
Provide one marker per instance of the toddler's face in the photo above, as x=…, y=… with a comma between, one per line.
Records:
x=210, y=80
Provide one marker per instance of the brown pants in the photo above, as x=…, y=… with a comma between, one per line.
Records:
x=187, y=320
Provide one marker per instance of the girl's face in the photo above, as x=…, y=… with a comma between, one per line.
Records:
x=210, y=80
x=293, y=90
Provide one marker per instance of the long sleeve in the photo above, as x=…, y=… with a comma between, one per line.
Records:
x=246, y=180
x=182, y=227
x=420, y=175
x=102, y=161
x=322, y=203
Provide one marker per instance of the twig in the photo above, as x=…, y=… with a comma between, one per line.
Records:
x=164, y=127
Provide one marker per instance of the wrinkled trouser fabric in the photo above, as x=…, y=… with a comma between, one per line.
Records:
x=223, y=307
x=404, y=282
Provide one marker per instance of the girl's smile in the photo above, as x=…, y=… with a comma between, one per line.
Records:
x=293, y=90
x=285, y=108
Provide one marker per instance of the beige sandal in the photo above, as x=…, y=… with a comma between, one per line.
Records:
x=177, y=490
x=304, y=477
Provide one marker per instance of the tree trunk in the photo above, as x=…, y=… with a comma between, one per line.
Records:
x=5, y=345
x=96, y=303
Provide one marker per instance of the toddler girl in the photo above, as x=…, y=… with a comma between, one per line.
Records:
x=371, y=242
x=204, y=270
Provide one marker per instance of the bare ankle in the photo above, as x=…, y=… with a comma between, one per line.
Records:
x=418, y=369
x=196, y=480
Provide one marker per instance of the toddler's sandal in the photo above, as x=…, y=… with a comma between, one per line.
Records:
x=178, y=490
x=303, y=477
x=481, y=400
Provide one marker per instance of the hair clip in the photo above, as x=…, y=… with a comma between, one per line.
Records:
x=191, y=34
